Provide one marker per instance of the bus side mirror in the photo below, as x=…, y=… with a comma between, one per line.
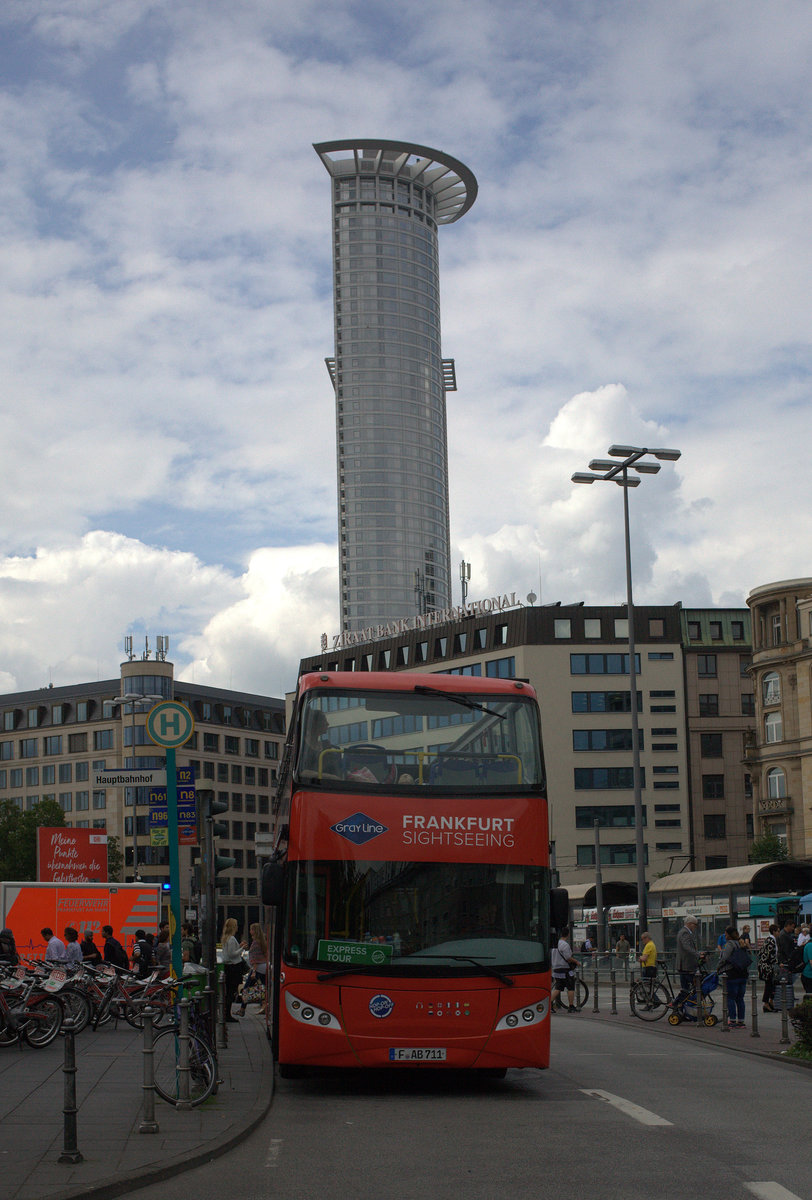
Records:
x=559, y=907
x=273, y=884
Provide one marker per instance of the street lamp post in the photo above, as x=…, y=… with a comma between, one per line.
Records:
x=133, y=699
x=606, y=471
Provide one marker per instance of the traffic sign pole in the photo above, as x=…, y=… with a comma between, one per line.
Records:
x=170, y=724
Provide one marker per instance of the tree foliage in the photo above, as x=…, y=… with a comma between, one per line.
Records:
x=768, y=848
x=18, y=836
x=115, y=859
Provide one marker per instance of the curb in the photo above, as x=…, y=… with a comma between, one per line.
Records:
x=120, y=1185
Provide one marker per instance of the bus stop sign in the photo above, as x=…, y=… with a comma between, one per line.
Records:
x=170, y=724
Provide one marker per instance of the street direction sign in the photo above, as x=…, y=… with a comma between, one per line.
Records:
x=129, y=777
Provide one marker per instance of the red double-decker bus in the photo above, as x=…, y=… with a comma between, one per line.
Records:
x=411, y=877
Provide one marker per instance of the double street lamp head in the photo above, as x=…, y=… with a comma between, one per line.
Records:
x=609, y=471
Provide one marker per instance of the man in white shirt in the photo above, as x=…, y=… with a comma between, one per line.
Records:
x=564, y=965
x=55, y=951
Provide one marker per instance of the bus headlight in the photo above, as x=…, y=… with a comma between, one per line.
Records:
x=529, y=1014
x=310, y=1014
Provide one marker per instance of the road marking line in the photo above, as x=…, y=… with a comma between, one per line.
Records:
x=632, y=1110
x=272, y=1157
x=769, y=1190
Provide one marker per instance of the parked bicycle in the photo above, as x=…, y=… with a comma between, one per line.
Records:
x=650, y=998
x=202, y=1056
x=27, y=1011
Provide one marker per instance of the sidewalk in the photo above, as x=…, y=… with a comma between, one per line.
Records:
x=768, y=1025
x=109, y=1100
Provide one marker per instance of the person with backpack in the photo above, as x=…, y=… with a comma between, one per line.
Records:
x=143, y=955
x=8, y=948
x=734, y=964
x=114, y=952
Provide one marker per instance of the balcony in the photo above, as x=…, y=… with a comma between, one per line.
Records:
x=775, y=806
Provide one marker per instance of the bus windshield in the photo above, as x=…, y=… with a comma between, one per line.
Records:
x=417, y=918
x=426, y=738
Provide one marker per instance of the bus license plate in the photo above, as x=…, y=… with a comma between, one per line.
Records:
x=417, y=1054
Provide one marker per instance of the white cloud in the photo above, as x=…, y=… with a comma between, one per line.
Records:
x=635, y=269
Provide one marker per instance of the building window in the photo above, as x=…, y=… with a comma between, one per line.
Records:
x=776, y=784
x=29, y=747
x=715, y=826
x=616, y=702
x=706, y=666
x=716, y=631
x=608, y=816
x=694, y=631
x=737, y=630
x=611, y=856
x=102, y=739
x=599, y=778
x=656, y=627
x=82, y=772
x=32, y=777
x=713, y=787
x=99, y=800
x=773, y=728
x=715, y=862
x=771, y=688
x=592, y=627
x=562, y=628
x=748, y=704
x=77, y=743
x=602, y=664
x=501, y=668
x=710, y=745
x=500, y=635
x=211, y=743
x=604, y=739
x=82, y=801
x=53, y=745
x=82, y=710
x=232, y=744
x=66, y=801
x=660, y=656
x=6, y=751
x=709, y=705
x=776, y=629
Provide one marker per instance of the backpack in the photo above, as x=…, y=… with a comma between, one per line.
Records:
x=145, y=959
x=738, y=965
x=796, y=960
x=115, y=953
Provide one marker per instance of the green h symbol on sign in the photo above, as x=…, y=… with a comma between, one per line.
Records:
x=170, y=723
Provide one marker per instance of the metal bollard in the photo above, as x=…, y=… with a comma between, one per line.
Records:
x=754, y=1009
x=183, y=1057
x=70, y=1150
x=149, y=1124
x=784, y=1039
x=613, y=1009
x=209, y=1005
x=725, y=1018
x=595, y=993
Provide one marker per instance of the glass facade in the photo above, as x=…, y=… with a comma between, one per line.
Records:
x=389, y=376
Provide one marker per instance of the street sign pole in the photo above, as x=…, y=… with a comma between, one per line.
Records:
x=174, y=861
x=170, y=724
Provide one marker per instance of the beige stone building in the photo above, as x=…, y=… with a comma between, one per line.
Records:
x=780, y=755
x=53, y=741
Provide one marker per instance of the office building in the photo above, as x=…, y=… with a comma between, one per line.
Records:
x=389, y=376
x=54, y=740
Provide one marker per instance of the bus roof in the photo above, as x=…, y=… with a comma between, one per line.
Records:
x=405, y=681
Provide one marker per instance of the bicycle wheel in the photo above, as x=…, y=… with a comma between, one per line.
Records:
x=42, y=1020
x=162, y=1015
x=648, y=1003
x=8, y=1036
x=77, y=1008
x=581, y=992
x=202, y=1073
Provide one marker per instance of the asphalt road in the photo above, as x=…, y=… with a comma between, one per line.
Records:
x=622, y=1113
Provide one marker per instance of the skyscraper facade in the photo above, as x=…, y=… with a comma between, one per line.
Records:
x=389, y=375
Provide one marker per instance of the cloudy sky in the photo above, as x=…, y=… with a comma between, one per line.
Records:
x=635, y=269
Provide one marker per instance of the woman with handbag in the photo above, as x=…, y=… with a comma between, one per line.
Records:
x=253, y=989
x=233, y=964
x=767, y=968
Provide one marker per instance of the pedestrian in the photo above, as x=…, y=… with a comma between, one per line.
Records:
x=257, y=967
x=806, y=974
x=564, y=964
x=767, y=967
x=72, y=948
x=803, y=936
x=688, y=959
x=90, y=954
x=8, y=948
x=622, y=948
x=55, y=951
x=744, y=938
x=787, y=943
x=233, y=963
x=648, y=956
x=163, y=952
x=188, y=945
x=143, y=957
x=114, y=952
x=735, y=966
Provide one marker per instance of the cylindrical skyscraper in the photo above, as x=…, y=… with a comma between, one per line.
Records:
x=389, y=375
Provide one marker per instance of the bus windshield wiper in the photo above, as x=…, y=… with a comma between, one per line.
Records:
x=360, y=969
x=465, y=701
x=497, y=974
